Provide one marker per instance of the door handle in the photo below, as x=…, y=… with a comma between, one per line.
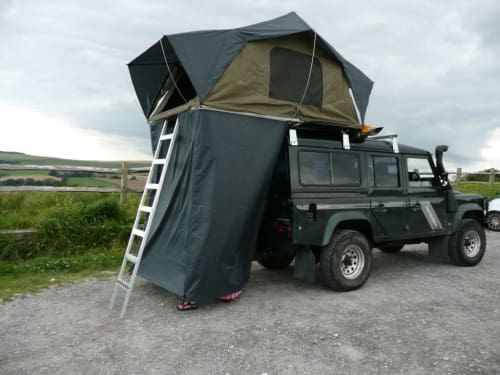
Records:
x=380, y=208
x=416, y=207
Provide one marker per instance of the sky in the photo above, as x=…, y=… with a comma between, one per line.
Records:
x=65, y=90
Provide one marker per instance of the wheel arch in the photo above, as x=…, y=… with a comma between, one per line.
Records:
x=348, y=220
x=468, y=211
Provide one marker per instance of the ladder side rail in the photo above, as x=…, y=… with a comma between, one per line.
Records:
x=155, y=200
x=150, y=219
x=135, y=225
x=137, y=258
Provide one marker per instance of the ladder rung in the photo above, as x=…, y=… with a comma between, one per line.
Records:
x=123, y=284
x=132, y=258
x=152, y=186
x=146, y=209
x=138, y=232
x=159, y=161
x=166, y=136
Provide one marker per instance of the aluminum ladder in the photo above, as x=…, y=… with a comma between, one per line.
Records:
x=145, y=213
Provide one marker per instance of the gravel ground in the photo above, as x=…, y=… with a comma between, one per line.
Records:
x=415, y=315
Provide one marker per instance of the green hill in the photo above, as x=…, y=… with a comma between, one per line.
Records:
x=18, y=158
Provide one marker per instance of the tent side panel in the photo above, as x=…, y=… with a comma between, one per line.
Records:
x=210, y=214
x=163, y=262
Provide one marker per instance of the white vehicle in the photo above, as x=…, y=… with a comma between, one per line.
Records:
x=492, y=218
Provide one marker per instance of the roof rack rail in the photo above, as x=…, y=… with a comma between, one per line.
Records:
x=393, y=137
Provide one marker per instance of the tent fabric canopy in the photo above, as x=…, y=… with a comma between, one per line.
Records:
x=269, y=76
x=205, y=55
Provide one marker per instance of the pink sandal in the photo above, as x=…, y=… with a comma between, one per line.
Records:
x=231, y=296
x=187, y=305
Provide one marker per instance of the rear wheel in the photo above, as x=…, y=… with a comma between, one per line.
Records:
x=277, y=262
x=346, y=261
x=493, y=220
x=468, y=244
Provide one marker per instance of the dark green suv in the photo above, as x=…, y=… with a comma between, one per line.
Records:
x=334, y=198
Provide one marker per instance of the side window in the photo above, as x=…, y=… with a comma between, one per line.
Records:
x=314, y=168
x=346, y=169
x=384, y=172
x=420, y=173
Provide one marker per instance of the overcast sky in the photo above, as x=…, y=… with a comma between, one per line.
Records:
x=65, y=89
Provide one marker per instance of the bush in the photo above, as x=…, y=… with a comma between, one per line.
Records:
x=74, y=231
x=10, y=248
x=67, y=224
x=477, y=177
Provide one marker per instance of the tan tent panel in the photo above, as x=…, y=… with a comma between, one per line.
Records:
x=262, y=78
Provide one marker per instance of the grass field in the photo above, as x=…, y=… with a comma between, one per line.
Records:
x=99, y=180
x=77, y=234
x=488, y=191
x=90, y=182
x=25, y=159
x=30, y=276
x=23, y=173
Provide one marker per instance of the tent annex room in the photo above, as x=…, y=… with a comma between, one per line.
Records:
x=233, y=95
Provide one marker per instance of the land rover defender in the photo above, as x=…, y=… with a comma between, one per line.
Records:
x=333, y=198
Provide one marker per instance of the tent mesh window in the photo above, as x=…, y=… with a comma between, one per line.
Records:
x=289, y=74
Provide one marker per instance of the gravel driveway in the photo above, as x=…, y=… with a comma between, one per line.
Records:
x=415, y=315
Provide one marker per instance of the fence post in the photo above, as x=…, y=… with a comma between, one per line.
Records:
x=459, y=177
x=123, y=185
x=492, y=177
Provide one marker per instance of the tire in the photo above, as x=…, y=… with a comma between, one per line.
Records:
x=391, y=248
x=468, y=244
x=493, y=221
x=277, y=262
x=345, y=263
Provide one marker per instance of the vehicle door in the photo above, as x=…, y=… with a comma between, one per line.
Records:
x=388, y=200
x=427, y=205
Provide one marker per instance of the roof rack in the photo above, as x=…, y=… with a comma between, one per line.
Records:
x=393, y=137
x=346, y=139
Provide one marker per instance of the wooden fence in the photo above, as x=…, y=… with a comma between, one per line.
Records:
x=457, y=178
x=123, y=189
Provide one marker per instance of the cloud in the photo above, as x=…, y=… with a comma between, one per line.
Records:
x=35, y=133
x=435, y=64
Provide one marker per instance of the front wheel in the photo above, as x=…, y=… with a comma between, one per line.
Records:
x=346, y=261
x=468, y=244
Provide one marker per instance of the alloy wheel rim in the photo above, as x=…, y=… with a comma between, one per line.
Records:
x=352, y=262
x=493, y=221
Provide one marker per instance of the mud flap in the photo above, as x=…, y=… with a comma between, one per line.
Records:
x=438, y=247
x=305, y=264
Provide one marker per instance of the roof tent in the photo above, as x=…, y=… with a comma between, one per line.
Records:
x=233, y=94
x=280, y=68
